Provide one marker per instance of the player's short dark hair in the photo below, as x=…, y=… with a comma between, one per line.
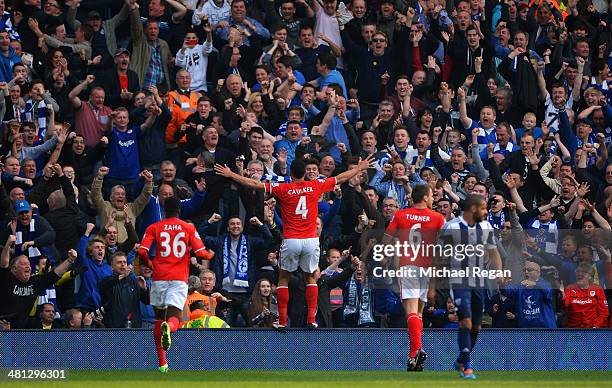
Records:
x=298, y=168
x=472, y=200
x=419, y=192
x=172, y=207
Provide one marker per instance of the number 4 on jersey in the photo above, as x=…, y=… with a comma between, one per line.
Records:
x=301, y=208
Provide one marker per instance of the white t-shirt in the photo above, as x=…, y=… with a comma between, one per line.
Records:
x=552, y=113
x=328, y=26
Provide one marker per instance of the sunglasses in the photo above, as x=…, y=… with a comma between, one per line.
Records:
x=378, y=40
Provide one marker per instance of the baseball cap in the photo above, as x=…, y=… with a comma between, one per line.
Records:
x=93, y=15
x=22, y=206
x=121, y=50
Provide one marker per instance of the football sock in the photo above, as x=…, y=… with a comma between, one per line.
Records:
x=473, y=335
x=174, y=324
x=157, y=333
x=312, y=294
x=414, y=333
x=282, y=295
x=465, y=344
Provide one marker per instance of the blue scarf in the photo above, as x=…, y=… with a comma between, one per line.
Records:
x=495, y=221
x=359, y=301
x=275, y=178
x=241, y=275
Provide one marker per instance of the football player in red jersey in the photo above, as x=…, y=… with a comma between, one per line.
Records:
x=419, y=227
x=174, y=238
x=299, y=209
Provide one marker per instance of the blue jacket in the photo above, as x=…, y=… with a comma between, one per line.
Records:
x=88, y=295
x=6, y=65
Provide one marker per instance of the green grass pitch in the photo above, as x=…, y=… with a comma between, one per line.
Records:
x=321, y=379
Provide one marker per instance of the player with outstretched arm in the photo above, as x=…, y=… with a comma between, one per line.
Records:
x=174, y=238
x=299, y=207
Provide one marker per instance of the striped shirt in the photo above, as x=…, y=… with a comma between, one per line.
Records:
x=155, y=70
x=545, y=234
x=470, y=244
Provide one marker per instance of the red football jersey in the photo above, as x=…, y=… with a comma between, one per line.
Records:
x=417, y=227
x=299, y=202
x=586, y=308
x=173, y=238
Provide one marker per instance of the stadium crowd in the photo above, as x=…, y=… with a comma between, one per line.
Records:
x=109, y=108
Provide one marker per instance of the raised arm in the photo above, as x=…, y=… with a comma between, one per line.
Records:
x=463, y=117
x=62, y=134
x=179, y=10
x=541, y=81
x=363, y=165
x=321, y=129
x=73, y=96
x=66, y=264
x=225, y=171
x=576, y=91
x=565, y=154
x=5, y=257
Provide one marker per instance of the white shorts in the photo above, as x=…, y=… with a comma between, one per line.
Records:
x=166, y=293
x=413, y=287
x=304, y=252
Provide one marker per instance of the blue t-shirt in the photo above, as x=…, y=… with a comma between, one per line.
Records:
x=536, y=131
x=299, y=78
x=334, y=77
x=534, y=305
x=289, y=146
x=122, y=154
x=337, y=134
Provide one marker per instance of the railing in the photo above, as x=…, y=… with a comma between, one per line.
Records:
x=333, y=349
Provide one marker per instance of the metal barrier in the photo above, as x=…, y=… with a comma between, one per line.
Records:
x=333, y=349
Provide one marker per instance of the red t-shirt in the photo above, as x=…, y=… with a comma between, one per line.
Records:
x=123, y=81
x=586, y=308
x=299, y=203
x=417, y=227
x=173, y=238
